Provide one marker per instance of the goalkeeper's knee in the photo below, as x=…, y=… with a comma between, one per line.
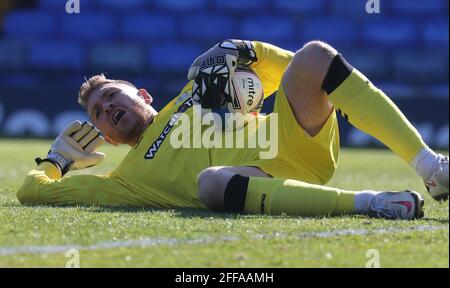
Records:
x=211, y=187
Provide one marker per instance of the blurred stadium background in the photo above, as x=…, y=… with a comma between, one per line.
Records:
x=45, y=52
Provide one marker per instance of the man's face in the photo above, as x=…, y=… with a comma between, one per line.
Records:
x=121, y=112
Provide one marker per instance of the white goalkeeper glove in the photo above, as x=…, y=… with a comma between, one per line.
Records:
x=74, y=148
x=212, y=71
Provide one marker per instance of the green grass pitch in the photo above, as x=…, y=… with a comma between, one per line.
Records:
x=106, y=237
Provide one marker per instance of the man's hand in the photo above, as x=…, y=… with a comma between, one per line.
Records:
x=75, y=146
x=212, y=71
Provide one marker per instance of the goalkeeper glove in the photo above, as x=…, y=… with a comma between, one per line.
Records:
x=74, y=148
x=212, y=71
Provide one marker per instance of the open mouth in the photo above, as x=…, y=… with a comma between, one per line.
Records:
x=117, y=115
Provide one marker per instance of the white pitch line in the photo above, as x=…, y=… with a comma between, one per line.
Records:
x=148, y=242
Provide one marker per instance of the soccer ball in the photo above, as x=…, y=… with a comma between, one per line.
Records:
x=247, y=92
x=246, y=103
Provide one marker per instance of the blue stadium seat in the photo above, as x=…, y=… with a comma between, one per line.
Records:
x=121, y=4
x=421, y=66
x=390, y=32
x=19, y=80
x=56, y=55
x=209, y=27
x=354, y=9
x=11, y=55
x=418, y=6
x=438, y=91
x=151, y=84
x=268, y=28
x=183, y=5
x=397, y=90
x=435, y=33
x=25, y=24
x=332, y=30
x=248, y=6
x=73, y=79
x=296, y=6
x=371, y=62
x=51, y=4
x=174, y=57
x=146, y=27
x=113, y=57
x=89, y=26
x=59, y=5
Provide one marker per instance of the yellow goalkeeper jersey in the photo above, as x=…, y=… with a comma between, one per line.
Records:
x=154, y=173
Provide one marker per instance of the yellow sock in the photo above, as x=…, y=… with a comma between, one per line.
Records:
x=276, y=196
x=371, y=111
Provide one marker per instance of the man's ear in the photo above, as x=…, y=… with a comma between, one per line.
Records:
x=147, y=97
x=110, y=141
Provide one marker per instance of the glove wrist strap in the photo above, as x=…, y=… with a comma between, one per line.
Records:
x=57, y=159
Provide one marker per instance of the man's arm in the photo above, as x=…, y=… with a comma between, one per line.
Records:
x=44, y=186
x=74, y=148
x=271, y=64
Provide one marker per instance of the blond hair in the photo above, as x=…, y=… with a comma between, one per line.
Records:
x=93, y=83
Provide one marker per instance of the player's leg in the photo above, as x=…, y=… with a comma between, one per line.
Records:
x=213, y=180
x=318, y=71
x=302, y=85
x=222, y=189
x=313, y=127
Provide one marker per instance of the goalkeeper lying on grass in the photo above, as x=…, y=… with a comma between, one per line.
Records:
x=311, y=85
